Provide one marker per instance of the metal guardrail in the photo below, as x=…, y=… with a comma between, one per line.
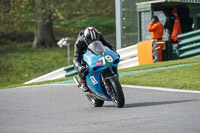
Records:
x=128, y=57
x=59, y=73
x=189, y=46
x=70, y=71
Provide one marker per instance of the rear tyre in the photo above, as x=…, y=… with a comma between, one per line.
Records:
x=95, y=102
x=118, y=95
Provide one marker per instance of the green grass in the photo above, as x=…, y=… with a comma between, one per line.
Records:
x=105, y=25
x=20, y=63
x=72, y=27
x=186, y=77
x=162, y=64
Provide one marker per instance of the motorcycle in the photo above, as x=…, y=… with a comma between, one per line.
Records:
x=102, y=76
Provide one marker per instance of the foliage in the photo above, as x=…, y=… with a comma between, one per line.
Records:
x=13, y=13
x=17, y=15
x=68, y=9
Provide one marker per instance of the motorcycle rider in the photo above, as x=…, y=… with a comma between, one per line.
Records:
x=85, y=37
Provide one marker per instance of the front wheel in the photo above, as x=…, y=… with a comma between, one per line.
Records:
x=117, y=95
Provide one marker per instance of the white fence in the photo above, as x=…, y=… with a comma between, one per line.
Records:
x=128, y=57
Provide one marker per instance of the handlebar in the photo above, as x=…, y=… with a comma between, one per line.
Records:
x=86, y=70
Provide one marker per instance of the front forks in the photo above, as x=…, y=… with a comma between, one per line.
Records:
x=105, y=76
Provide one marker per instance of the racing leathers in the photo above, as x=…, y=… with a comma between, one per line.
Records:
x=80, y=48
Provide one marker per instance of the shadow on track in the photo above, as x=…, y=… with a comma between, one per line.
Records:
x=145, y=104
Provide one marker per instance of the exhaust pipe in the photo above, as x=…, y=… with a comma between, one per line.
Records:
x=77, y=81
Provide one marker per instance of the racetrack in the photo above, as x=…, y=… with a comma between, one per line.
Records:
x=64, y=108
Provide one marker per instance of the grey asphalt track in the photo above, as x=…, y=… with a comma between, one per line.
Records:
x=65, y=109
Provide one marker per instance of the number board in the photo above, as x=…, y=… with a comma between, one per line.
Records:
x=105, y=60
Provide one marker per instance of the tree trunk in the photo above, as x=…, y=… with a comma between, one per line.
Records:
x=43, y=26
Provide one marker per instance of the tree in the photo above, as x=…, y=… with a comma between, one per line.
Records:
x=43, y=24
x=12, y=14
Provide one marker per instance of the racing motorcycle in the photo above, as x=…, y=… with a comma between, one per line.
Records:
x=102, y=76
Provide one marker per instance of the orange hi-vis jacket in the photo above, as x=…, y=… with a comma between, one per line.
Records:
x=156, y=30
x=177, y=26
x=176, y=29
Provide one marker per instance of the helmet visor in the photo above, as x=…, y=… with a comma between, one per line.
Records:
x=88, y=41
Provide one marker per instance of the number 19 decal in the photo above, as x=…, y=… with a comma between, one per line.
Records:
x=106, y=60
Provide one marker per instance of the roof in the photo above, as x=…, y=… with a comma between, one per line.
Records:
x=184, y=1
x=160, y=4
x=150, y=2
x=162, y=1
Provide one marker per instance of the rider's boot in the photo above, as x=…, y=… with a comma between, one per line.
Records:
x=84, y=86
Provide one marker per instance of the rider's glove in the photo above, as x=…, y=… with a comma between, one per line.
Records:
x=81, y=69
x=118, y=55
x=113, y=49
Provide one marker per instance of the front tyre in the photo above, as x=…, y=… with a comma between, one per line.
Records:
x=95, y=102
x=117, y=95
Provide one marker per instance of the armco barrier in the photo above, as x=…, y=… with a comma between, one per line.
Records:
x=70, y=71
x=59, y=73
x=189, y=45
x=128, y=52
x=128, y=57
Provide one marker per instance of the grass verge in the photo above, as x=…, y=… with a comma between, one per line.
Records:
x=20, y=63
x=186, y=77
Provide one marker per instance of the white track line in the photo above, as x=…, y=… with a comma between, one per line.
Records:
x=130, y=86
x=160, y=89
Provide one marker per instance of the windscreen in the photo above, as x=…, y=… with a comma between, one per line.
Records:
x=97, y=48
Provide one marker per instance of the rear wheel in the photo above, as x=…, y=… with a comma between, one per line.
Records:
x=117, y=95
x=95, y=102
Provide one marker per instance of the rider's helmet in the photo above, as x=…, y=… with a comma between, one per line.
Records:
x=90, y=35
